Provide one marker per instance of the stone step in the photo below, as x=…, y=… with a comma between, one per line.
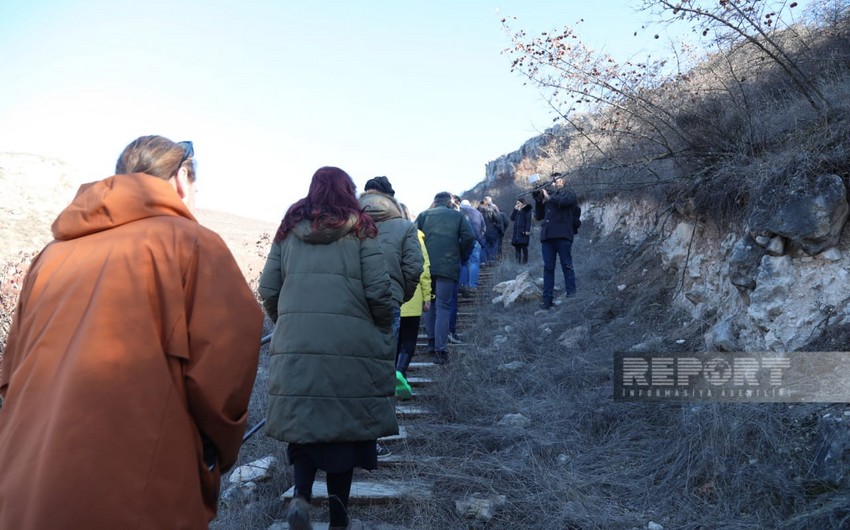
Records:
x=422, y=347
x=397, y=460
x=412, y=411
x=471, y=301
x=283, y=525
x=406, y=458
x=421, y=366
x=369, y=493
x=395, y=438
x=416, y=381
x=420, y=395
x=424, y=338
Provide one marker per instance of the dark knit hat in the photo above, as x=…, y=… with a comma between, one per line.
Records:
x=381, y=184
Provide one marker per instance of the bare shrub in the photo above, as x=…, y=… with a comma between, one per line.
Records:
x=713, y=129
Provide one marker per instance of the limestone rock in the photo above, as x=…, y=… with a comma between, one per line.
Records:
x=811, y=218
x=830, y=254
x=514, y=420
x=744, y=262
x=774, y=281
x=723, y=336
x=575, y=338
x=519, y=289
x=240, y=493
x=675, y=248
x=776, y=246
x=512, y=366
x=479, y=506
x=256, y=471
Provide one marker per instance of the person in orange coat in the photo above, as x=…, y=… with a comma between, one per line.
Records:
x=130, y=362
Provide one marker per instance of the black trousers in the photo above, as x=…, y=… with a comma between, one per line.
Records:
x=521, y=253
x=408, y=333
x=339, y=488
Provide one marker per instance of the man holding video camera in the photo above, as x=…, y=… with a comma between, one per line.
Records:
x=559, y=215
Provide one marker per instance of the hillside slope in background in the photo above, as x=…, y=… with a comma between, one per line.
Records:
x=36, y=189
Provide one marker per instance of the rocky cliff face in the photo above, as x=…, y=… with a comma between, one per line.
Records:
x=774, y=283
x=761, y=287
x=536, y=155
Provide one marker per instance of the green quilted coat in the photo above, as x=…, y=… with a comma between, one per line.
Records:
x=332, y=370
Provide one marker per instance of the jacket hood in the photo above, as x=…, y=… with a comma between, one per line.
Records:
x=116, y=201
x=322, y=235
x=379, y=206
x=526, y=208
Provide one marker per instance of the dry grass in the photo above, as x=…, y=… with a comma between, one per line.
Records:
x=587, y=461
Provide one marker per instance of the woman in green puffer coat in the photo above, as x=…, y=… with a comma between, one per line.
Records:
x=332, y=373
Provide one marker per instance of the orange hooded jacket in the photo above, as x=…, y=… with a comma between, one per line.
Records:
x=134, y=333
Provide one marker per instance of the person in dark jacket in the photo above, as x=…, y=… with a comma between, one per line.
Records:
x=559, y=215
x=449, y=240
x=494, y=230
x=332, y=369
x=521, y=217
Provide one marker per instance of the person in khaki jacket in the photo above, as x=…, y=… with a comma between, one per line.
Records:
x=332, y=370
x=399, y=241
x=131, y=359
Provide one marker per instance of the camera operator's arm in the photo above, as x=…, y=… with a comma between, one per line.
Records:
x=539, y=210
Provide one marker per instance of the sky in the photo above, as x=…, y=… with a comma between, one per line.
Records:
x=269, y=91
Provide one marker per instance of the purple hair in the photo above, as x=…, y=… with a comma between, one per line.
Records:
x=330, y=203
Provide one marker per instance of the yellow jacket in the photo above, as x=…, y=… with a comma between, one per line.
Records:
x=413, y=307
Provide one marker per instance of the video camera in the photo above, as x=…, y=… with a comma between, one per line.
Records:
x=537, y=191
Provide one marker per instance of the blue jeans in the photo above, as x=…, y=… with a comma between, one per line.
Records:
x=437, y=318
x=561, y=248
x=396, y=323
x=469, y=270
x=453, y=316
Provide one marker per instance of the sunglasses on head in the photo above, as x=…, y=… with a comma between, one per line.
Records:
x=188, y=152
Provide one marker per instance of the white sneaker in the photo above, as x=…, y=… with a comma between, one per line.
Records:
x=383, y=452
x=454, y=338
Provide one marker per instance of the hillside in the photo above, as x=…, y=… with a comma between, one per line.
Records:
x=36, y=189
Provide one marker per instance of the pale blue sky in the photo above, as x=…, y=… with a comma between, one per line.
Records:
x=271, y=90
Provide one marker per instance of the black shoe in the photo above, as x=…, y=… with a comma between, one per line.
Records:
x=442, y=357
x=546, y=304
x=298, y=515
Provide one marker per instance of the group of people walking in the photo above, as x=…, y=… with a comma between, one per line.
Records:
x=132, y=356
